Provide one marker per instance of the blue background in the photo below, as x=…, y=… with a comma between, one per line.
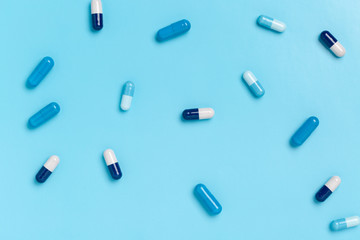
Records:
x=242, y=155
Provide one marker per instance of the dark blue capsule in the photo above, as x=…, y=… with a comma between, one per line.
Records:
x=45, y=114
x=47, y=169
x=43, y=174
x=304, y=131
x=115, y=171
x=173, y=30
x=323, y=194
x=97, y=14
x=328, y=39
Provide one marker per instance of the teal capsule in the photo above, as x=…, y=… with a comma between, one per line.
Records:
x=40, y=72
x=45, y=114
x=208, y=201
x=344, y=223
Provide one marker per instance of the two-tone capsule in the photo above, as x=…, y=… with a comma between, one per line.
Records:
x=329, y=187
x=47, y=169
x=304, y=131
x=330, y=42
x=344, y=223
x=208, y=201
x=173, y=30
x=44, y=115
x=40, y=72
x=127, y=95
x=112, y=164
x=198, y=113
x=254, y=85
x=271, y=23
x=97, y=14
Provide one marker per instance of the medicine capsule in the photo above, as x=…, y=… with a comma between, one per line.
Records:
x=40, y=72
x=208, y=201
x=271, y=23
x=47, y=169
x=97, y=14
x=173, y=30
x=329, y=187
x=254, y=85
x=45, y=114
x=344, y=223
x=112, y=164
x=330, y=42
x=304, y=131
x=198, y=113
x=128, y=93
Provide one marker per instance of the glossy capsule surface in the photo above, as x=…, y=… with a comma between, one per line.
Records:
x=127, y=96
x=271, y=23
x=47, y=169
x=332, y=43
x=344, y=223
x=206, y=198
x=97, y=14
x=304, y=131
x=173, y=30
x=40, y=72
x=112, y=164
x=45, y=114
x=198, y=113
x=329, y=187
x=254, y=85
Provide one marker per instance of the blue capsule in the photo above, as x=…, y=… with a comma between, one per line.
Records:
x=344, y=223
x=208, y=201
x=47, y=169
x=112, y=164
x=198, y=113
x=254, y=85
x=331, y=43
x=173, y=30
x=40, y=72
x=44, y=115
x=271, y=23
x=97, y=14
x=304, y=131
x=127, y=96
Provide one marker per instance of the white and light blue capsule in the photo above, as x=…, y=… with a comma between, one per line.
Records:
x=127, y=95
x=344, y=223
x=254, y=85
x=271, y=23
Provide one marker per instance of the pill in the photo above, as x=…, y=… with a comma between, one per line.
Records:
x=40, y=72
x=173, y=30
x=330, y=42
x=329, y=187
x=254, y=85
x=304, y=131
x=127, y=96
x=198, y=113
x=97, y=14
x=45, y=114
x=47, y=169
x=344, y=223
x=208, y=201
x=271, y=23
x=112, y=164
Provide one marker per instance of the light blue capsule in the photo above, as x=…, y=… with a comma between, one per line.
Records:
x=271, y=23
x=40, y=72
x=344, y=223
x=45, y=114
x=254, y=85
x=127, y=96
x=304, y=131
x=208, y=201
x=173, y=30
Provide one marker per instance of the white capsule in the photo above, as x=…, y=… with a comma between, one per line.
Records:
x=333, y=183
x=52, y=163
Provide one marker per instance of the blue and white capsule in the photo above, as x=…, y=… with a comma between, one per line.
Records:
x=271, y=23
x=345, y=223
x=97, y=15
x=254, y=85
x=198, y=113
x=112, y=164
x=44, y=115
x=304, y=131
x=329, y=187
x=206, y=198
x=127, y=96
x=40, y=72
x=47, y=169
x=173, y=30
x=330, y=42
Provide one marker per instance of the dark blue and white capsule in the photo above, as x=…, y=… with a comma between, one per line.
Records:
x=332, y=43
x=47, y=169
x=40, y=72
x=173, y=30
x=112, y=164
x=97, y=14
x=198, y=113
x=329, y=187
x=206, y=198
x=345, y=223
x=254, y=85
x=304, y=131
x=44, y=115
x=271, y=23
